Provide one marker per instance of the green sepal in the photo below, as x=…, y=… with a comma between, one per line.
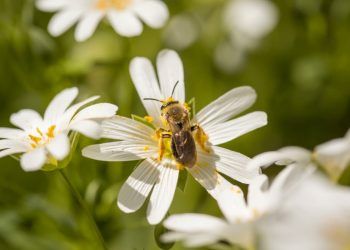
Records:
x=52, y=164
x=192, y=104
x=181, y=184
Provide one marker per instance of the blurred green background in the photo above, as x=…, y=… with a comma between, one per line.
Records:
x=301, y=72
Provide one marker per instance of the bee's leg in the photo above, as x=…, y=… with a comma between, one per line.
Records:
x=162, y=134
x=200, y=137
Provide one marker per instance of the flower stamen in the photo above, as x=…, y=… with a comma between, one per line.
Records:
x=50, y=131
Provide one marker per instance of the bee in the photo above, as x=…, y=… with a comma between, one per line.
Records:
x=180, y=131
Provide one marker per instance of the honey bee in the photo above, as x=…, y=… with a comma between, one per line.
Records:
x=180, y=131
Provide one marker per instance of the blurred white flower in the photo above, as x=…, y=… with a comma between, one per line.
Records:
x=248, y=21
x=45, y=140
x=178, y=26
x=137, y=140
x=314, y=217
x=124, y=15
x=243, y=219
x=228, y=58
x=334, y=155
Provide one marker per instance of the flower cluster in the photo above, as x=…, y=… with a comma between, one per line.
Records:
x=45, y=140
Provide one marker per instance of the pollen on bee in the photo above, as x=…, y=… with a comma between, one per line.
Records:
x=179, y=166
x=148, y=118
x=187, y=106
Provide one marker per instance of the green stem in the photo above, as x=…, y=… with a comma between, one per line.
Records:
x=86, y=209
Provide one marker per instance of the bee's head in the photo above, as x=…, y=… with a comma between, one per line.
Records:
x=173, y=111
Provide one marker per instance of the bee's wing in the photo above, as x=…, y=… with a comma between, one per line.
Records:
x=184, y=148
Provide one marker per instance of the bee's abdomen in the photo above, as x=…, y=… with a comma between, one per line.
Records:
x=184, y=148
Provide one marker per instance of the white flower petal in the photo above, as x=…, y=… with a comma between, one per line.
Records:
x=125, y=23
x=59, y=147
x=146, y=84
x=122, y=128
x=137, y=187
x=11, y=151
x=63, y=20
x=33, y=160
x=232, y=204
x=59, y=104
x=193, y=240
x=87, y=25
x=191, y=223
x=334, y=156
x=211, y=180
x=153, y=12
x=333, y=147
x=163, y=192
x=51, y=5
x=11, y=133
x=96, y=111
x=70, y=112
x=26, y=119
x=227, y=106
x=133, y=147
x=258, y=193
x=14, y=144
x=234, y=165
x=289, y=178
x=170, y=70
x=94, y=152
x=88, y=128
x=227, y=131
x=284, y=156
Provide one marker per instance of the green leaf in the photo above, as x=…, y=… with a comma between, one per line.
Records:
x=181, y=184
x=159, y=230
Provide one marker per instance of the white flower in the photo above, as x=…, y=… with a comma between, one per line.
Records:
x=124, y=15
x=316, y=218
x=248, y=21
x=136, y=140
x=334, y=155
x=45, y=140
x=244, y=220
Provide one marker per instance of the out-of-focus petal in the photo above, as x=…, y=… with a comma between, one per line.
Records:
x=153, y=12
x=59, y=104
x=59, y=147
x=26, y=119
x=87, y=25
x=125, y=23
x=33, y=160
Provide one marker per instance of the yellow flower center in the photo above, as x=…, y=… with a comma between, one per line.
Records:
x=116, y=4
x=40, y=138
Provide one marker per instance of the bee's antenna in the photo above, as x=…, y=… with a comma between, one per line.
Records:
x=151, y=99
x=172, y=92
